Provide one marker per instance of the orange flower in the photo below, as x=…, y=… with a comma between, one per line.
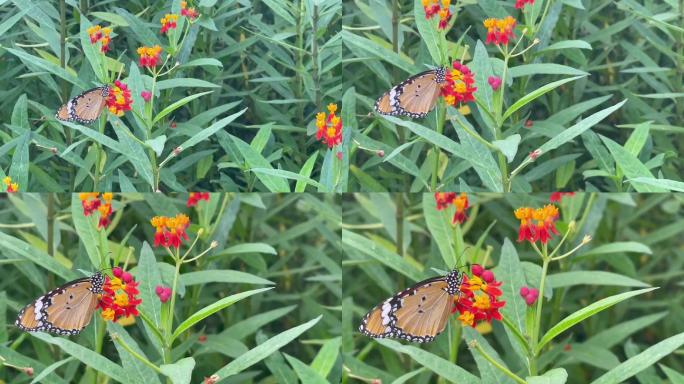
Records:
x=170, y=231
x=500, y=31
x=458, y=87
x=119, y=99
x=545, y=226
x=461, y=204
x=149, y=56
x=10, y=186
x=97, y=33
x=479, y=297
x=329, y=129
x=190, y=13
x=525, y=232
x=440, y=8
x=546, y=223
x=168, y=22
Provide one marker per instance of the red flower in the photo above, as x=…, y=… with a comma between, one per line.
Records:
x=529, y=294
x=541, y=231
x=168, y=22
x=478, y=300
x=97, y=33
x=521, y=3
x=119, y=296
x=10, y=186
x=164, y=293
x=494, y=82
x=557, y=196
x=500, y=31
x=444, y=199
x=440, y=8
x=190, y=13
x=458, y=87
x=170, y=231
x=119, y=99
x=330, y=127
x=196, y=197
x=149, y=56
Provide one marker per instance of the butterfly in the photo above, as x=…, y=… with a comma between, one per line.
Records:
x=418, y=313
x=86, y=107
x=65, y=310
x=414, y=97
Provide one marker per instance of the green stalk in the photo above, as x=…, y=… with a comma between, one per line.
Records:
x=538, y=312
x=169, y=322
x=136, y=354
x=496, y=364
x=314, y=59
x=441, y=117
x=400, y=224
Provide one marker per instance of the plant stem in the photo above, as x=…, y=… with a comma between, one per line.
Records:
x=136, y=354
x=495, y=363
x=538, y=312
x=169, y=322
x=51, y=224
x=314, y=59
x=441, y=117
x=400, y=224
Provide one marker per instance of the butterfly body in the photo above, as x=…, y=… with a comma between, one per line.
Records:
x=416, y=314
x=86, y=107
x=415, y=97
x=65, y=310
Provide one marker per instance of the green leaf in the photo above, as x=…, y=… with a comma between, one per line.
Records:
x=544, y=69
x=149, y=277
x=10, y=244
x=264, y=349
x=48, y=66
x=567, y=44
x=537, y=93
x=568, y=279
x=88, y=357
x=554, y=376
x=157, y=144
x=179, y=372
x=7, y=24
x=305, y=373
x=586, y=312
x=508, y=146
x=488, y=372
x=619, y=247
x=221, y=276
x=184, y=82
x=86, y=229
x=254, y=159
x=250, y=248
x=19, y=170
x=609, y=337
x=510, y=270
x=287, y=175
x=381, y=254
x=373, y=49
x=672, y=185
x=630, y=165
x=638, y=138
x=177, y=105
x=440, y=229
x=134, y=151
x=577, y=129
x=92, y=51
x=137, y=371
x=482, y=69
x=325, y=360
x=436, y=364
x=248, y=326
x=306, y=170
x=485, y=166
x=430, y=35
x=643, y=360
x=213, y=308
x=212, y=129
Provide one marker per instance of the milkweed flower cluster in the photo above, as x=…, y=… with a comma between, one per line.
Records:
x=521, y=3
x=196, y=197
x=92, y=201
x=329, y=128
x=500, y=31
x=97, y=33
x=10, y=187
x=439, y=8
x=119, y=296
x=190, y=13
x=458, y=87
x=556, y=197
x=479, y=298
x=537, y=224
x=168, y=22
x=170, y=231
x=164, y=293
x=460, y=201
x=119, y=99
x=149, y=56
x=530, y=295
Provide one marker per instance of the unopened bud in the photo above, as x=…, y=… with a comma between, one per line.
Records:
x=380, y=153
x=586, y=239
x=213, y=244
x=177, y=151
